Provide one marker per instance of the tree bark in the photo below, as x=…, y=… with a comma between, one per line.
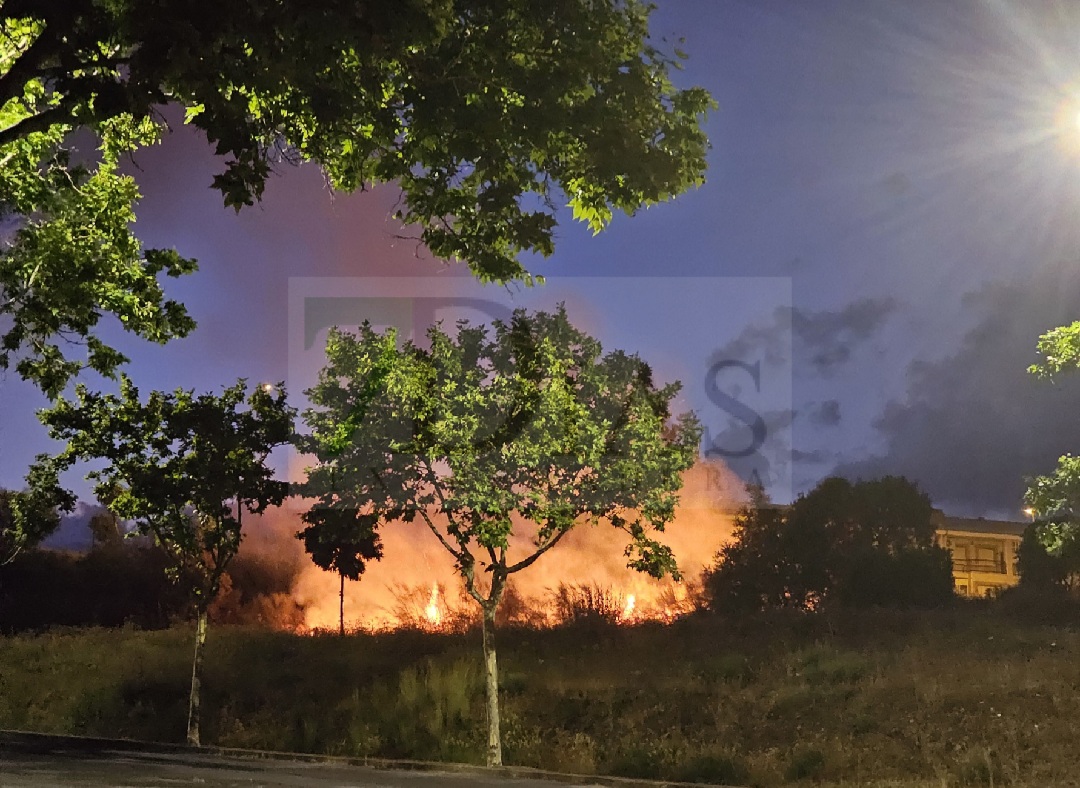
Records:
x=341, y=609
x=491, y=675
x=195, y=699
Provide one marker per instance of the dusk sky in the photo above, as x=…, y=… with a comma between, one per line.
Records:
x=891, y=218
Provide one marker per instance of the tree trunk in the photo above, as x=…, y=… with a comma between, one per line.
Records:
x=194, y=701
x=491, y=674
x=341, y=609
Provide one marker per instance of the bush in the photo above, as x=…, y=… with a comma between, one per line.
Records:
x=805, y=764
x=867, y=544
x=108, y=587
x=909, y=578
x=587, y=604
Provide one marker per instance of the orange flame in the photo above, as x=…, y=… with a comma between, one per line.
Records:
x=416, y=584
x=434, y=615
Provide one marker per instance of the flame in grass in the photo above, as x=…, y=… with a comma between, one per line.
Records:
x=416, y=586
x=432, y=611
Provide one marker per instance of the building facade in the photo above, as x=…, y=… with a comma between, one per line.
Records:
x=983, y=553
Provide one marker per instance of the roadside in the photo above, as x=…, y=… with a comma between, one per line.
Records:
x=32, y=760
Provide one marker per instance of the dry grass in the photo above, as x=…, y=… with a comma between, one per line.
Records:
x=966, y=697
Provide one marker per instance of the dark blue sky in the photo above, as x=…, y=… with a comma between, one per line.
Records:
x=893, y=194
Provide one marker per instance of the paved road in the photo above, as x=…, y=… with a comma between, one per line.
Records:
x=43, y=761
x=60, y=768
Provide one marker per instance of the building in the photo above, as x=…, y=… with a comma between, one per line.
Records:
x=983, y=552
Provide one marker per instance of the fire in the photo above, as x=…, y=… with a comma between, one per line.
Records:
x=416, y=585
x=432, y=612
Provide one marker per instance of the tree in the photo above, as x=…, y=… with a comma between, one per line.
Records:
x=183, y=469
x=68, y=256
x=488, y=114
x=1055, y=498
x=500, y=443
x=1048, y=557
x=1050, y=554
x=853, y=544
x=28, y=516
x=106, y=530
x=338, y=541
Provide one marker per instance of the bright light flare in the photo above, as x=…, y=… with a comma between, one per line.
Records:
x=628, y=611
x=1066, y=123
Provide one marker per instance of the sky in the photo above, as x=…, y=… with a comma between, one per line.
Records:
x=890, y=220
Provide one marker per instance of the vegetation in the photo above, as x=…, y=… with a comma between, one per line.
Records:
x=1055, y=497
x=488, y=116
x=977, y=695
x=501, y=445
x=183, y=469
x=856, y=544
x=118, y=584
x=28, y=516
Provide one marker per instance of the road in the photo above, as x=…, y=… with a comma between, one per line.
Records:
x=78, y=768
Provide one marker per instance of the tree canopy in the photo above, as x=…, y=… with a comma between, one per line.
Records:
x=183, y=468
x=1055, y=497
x=501, y=442
x=489, y=115
x=28, y=516
x=862, y=543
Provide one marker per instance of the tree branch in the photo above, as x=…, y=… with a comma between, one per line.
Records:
x=434, y=529
x=40, y=122
x=527, y=562
x=28, y=65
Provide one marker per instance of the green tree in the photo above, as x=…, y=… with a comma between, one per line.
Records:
x=106, y=530
x=339, y=541
x=500, y=443
x=1051, y=556
x=184, y=469
x=1048, y=558
x=488, y=114
x=852, y=544
x=68, y=257
x=1055, y=498
x=28, y=516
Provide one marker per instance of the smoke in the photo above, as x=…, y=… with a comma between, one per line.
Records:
x=303, y=596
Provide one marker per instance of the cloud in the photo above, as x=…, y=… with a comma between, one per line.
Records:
x=973, y=425
x=825, y=340
x=830, y=338
x=824, y=414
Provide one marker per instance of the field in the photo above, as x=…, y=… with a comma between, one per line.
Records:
x=974, y=695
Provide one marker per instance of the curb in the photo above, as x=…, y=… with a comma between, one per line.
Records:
x=40, y=743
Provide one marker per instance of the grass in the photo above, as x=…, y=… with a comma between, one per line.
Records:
x=964, y=697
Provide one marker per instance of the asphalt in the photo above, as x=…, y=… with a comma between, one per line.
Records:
x=151, y=770
x=32, y=760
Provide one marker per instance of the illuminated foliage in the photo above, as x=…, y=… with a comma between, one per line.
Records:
x=501, y=442
x=183, y=469
x=68, y=257
x=489, y=114
x=1055, y=498
x=28, y=516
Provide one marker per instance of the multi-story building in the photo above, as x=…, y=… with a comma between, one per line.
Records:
x=983, y=552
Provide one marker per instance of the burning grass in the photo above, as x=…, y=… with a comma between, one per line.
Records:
x=951, y=698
